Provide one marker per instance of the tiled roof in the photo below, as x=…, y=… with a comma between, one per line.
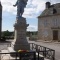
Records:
x=53, y=10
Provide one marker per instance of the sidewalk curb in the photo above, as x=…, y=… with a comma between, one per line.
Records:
x=48, y=42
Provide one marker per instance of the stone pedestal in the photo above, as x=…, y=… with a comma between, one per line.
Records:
x=20, y=41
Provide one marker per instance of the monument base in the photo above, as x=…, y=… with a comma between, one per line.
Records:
x=21, y=47
x=20, y=41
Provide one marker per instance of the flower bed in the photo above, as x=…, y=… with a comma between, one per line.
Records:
x=23, y=51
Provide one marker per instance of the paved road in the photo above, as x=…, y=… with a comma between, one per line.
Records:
x=4, y=45
x=54, y=46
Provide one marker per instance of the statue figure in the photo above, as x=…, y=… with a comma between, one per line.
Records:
x=21, y=4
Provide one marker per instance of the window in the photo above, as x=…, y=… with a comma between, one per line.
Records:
x=55, y=22
x=45, y=23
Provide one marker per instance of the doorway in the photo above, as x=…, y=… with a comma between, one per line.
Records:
x=55, y=34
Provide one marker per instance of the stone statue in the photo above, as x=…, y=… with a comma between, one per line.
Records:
x=21, y=4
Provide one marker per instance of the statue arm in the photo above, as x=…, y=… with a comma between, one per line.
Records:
x=16, y=4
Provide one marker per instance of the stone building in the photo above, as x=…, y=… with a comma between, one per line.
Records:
x=49, y=23
x=0, y=19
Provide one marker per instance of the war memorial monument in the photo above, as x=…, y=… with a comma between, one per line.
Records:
x=20, y=42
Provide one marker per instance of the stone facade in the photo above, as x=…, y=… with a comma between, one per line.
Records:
x=49, y=23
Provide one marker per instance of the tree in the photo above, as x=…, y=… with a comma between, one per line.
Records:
x=7, y=34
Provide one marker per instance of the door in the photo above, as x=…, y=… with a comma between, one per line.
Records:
x=55, y=35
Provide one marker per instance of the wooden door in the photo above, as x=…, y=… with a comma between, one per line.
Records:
x=55, y=35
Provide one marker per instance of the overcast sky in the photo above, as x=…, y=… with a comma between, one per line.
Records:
x=32, y=11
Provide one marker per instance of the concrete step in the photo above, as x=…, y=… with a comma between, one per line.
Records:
x=10, y=49
x=6, y=56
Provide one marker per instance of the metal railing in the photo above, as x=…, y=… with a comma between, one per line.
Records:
x=31, y=55
x=46, y=52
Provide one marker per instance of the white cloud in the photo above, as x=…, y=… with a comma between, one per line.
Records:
x=32, y=28
x=8, y=5
x=33, y=8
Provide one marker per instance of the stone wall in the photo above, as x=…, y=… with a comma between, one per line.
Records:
x=46, y=25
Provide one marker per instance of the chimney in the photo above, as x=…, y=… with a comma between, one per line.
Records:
x=48, y=4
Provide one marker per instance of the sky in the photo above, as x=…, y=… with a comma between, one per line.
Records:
x=33, y=9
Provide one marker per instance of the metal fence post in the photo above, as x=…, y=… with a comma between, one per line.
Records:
x=38, y=55
x=34, y=55
x=16, y=55
x=54, y=55
x=32, y=46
